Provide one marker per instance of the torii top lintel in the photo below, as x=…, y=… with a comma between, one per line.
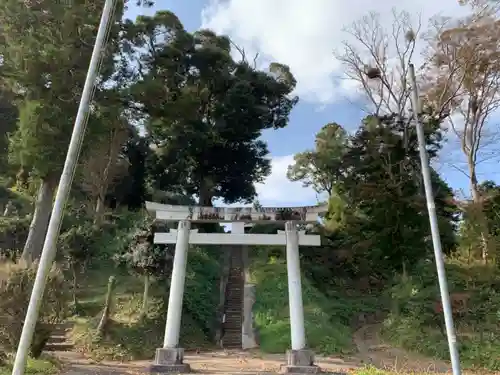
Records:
x=305, y=214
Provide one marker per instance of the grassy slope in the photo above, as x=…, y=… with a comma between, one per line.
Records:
x=414, y=325
x=130, y=338
x=36, y=367
x=324, y=333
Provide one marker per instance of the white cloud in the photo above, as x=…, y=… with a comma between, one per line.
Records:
x=304, y=34
x=278, y=190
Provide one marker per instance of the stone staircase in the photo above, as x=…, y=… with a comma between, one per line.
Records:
x=59, y=341
x=233, y=308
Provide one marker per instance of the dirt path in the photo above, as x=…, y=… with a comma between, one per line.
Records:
x=213, y=363
x=372, y=350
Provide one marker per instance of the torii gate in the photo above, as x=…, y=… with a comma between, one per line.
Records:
x=169, y=358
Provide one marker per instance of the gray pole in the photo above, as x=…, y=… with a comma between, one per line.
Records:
x=49, y=246
x=436, y=240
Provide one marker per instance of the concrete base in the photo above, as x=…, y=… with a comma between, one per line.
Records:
x=168, y=361
x=300, y=362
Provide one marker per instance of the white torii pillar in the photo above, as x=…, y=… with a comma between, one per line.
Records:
x=170, y=358
x=298, y=333
x=299, y=358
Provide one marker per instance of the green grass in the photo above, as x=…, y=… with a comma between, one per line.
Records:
x=325, y=333
x=40, y=366
x=413, y=324
x=132, y=338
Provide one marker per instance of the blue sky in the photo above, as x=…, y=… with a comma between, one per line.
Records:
x=304, y=36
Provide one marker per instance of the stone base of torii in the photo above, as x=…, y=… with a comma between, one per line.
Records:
x=170, y=358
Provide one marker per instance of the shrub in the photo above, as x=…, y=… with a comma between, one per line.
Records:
x=13, y=234
x=201, y=292
x=16, y=283
x=414, y=324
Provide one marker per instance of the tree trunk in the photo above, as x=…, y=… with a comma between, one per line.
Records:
x=99, y=210
x=482, y=220
x=75, y=285
x=106, y=312
x=40, y=221
x=145, y=297
x=205, y=193
x=9, y=209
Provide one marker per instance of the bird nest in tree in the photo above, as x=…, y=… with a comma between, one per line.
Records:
x=373, y=73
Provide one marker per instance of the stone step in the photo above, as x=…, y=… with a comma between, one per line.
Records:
x=232, y=325
x=233, y=346
x=57, y=339
x=236, y=341
x=233, y=313
x=62, y=347
x=232, y=340
x=234, y=305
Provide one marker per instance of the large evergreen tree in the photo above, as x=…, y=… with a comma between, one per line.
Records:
x=205, y=110
x=46, y=48
x=377, y=213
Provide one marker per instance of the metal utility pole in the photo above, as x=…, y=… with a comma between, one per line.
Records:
x=49, y=246
x=436, y=239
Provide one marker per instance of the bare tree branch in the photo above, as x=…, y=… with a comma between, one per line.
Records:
x=372, y=47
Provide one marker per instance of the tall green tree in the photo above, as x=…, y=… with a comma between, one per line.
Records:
x=380, y=206
x=206, y=110
x=45, y=53
x=377, y=212
x=472, y=230
x=320, y=168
